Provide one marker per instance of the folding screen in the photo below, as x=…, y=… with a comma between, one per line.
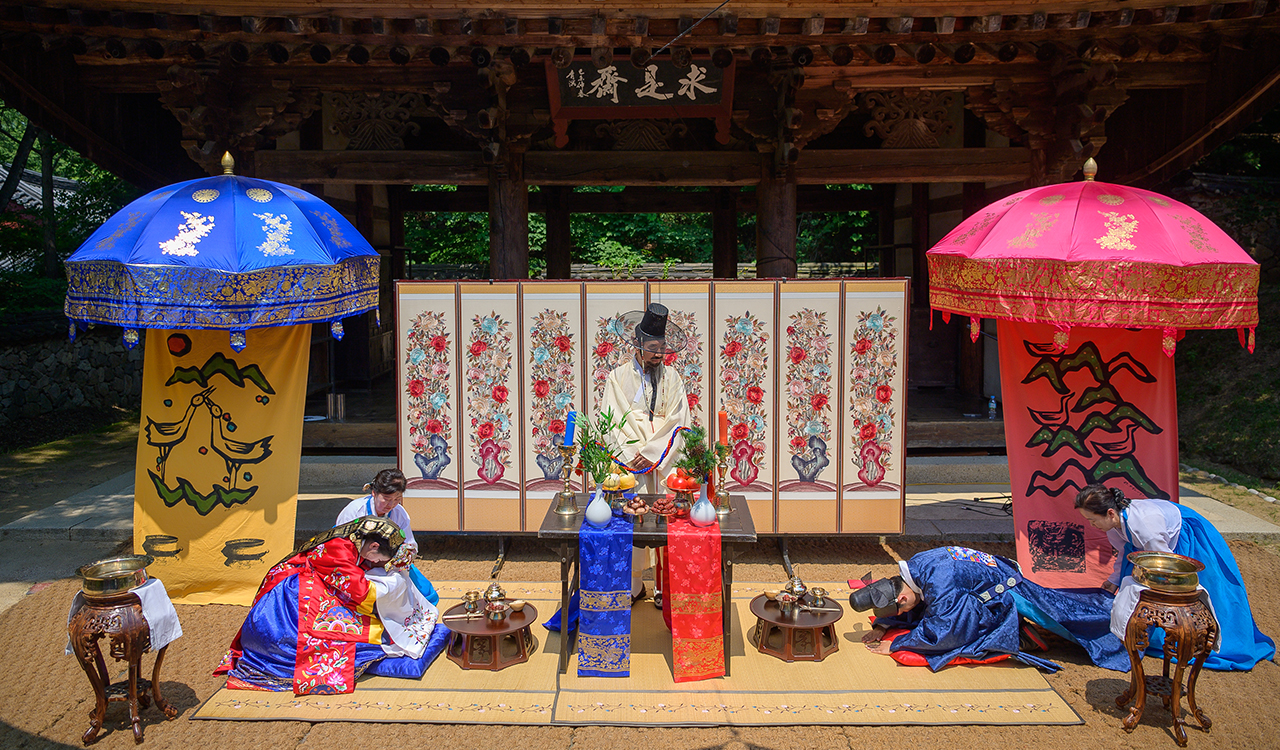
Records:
x=811, y=374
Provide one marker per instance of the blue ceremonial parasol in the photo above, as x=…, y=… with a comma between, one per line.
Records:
x=225, y=253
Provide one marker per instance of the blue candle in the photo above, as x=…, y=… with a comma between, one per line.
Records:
x=568, y=428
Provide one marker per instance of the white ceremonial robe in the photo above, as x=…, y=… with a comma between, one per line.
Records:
x=628, y=391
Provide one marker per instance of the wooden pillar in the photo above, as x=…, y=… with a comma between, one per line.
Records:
x=775, y=222
x=724, y=233
x=364, y=211
x=395, y=208
x=559, y=240
x=974, y=199
x=919, y=244
x=508, y=220
x=884, y=226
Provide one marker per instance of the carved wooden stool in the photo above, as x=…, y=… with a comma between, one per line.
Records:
x=1189, y=632
x=119, y=619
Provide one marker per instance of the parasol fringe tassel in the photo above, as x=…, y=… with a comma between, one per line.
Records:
x=946, y=317
x=1245, y=337
x=975, y=329
x=1169, y=342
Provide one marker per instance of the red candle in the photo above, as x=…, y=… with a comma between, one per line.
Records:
x=724, y=427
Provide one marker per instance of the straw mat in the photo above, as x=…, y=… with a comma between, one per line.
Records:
x=851, y=686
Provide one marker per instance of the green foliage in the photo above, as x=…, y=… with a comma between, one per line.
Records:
x=26, y=292
x=696, y=458
x=596, y=442
x=1229, y=399
x=100, y=195
x=621, y=242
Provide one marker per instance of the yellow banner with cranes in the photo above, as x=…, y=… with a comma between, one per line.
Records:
x=219, y=446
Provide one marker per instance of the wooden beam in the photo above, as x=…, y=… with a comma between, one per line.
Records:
x=836, y=167
x=641, y=168
x=646, y=200
x=670, y=168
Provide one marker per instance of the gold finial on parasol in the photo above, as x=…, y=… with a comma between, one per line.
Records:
x=1090, y=169
x=229, y=164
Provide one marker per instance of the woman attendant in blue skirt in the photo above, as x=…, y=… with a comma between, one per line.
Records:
x=1162, y=526
x=385, y=500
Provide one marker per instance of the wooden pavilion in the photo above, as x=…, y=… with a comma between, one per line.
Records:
x=941, y=105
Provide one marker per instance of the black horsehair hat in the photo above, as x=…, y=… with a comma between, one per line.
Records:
x=879, y=596
x=651, y=324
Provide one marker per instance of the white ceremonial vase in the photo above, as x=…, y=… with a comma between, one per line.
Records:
x=703, y=513
x=598, y=511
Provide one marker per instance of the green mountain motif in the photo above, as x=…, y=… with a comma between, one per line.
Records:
x=1074, y=437
x=1094, y=394
x=220, y=365
x=1130, y=470
x=1053, y=369
x=201, y=502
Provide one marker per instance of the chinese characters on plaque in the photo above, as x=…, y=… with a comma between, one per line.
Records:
x=657, y=90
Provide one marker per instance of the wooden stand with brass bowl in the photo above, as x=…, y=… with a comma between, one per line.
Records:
x=801, y=636
x=483, y=643
x=1190, y=630
x=111, y=611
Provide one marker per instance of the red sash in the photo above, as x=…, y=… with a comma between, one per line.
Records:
x=692, y=600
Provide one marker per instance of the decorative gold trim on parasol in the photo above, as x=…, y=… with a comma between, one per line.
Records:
x=1097, y=293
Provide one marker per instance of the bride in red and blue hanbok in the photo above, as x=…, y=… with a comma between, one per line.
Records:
x=340, y=607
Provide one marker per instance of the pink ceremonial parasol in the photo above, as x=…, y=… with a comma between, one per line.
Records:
x=1095, y=254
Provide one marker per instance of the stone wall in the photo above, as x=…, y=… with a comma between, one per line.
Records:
x=53, y=374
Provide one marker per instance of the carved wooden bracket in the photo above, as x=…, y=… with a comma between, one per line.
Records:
x=1062, y=119
x=219, y=110
x=642, y=135
x=909, y=118
x=376, y=120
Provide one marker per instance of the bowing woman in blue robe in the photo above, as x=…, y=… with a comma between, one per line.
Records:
x=960, y=602
x=1162, y=526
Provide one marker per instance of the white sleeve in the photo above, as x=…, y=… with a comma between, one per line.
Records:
x=1150, y=527
x=353, y=511
x=1117, y=543
x=400, y=517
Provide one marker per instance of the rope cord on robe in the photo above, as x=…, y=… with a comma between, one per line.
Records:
x=652, y=466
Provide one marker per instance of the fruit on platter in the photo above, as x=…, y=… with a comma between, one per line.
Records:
x=635, y=506
x=680, y=481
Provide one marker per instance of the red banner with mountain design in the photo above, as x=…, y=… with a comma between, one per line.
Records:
x=1102, y=408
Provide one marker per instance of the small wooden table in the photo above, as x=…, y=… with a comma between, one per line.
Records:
x=119, y=619
x=1189, y=633
x=802, y=636
x=561, y=534
x=481, y=643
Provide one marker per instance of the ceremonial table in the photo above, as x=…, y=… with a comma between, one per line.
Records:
x=801, y=635
x=561, y=533
x=477, y=643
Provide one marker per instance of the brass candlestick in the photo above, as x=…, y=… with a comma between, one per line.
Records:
x=566, y=499
x=722, y=493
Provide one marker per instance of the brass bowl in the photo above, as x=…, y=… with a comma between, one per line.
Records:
x=1166, y=572
x=115, y=576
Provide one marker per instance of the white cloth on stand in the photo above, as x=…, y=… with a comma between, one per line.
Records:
x=157, y=610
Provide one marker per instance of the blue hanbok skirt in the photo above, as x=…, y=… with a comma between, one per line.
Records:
x=269, y=642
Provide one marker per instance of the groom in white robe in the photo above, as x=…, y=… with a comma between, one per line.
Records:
x=651, y=401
